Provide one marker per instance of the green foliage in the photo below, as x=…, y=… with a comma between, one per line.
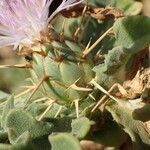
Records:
x=23, y=143
x=70, y=67
x=134, y=9
x=71, y=24
x=18, y=122
x=89, y=26
x=133, y=33
x=110, y=134
x=69, y=74
x=61, y=124
x=107, y=73
x=63, y=141
x=122, y=114
x=6, y=109
x=81, y=127
x=36, y=109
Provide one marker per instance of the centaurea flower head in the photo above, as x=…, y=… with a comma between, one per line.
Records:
x=21, y=21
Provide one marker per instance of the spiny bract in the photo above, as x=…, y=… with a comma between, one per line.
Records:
x=68, y=72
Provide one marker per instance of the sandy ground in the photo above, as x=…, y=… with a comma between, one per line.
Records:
x=146, y=9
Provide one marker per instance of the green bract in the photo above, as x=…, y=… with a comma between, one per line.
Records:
x=64, y=66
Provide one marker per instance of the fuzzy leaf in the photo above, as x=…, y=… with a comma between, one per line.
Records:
x=36, y=109
x=64, y=141
x=81, y=127
x=23, y=143
x=133, y=33
x=123, y=114
x=6, y=109
x=115, y=61
x=19, y=121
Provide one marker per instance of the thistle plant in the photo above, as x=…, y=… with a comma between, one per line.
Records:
x=75, y=93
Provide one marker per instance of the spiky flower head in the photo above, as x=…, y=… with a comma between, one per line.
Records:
x=21, y=21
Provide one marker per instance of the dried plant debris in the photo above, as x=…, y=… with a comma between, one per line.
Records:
x=100, y=14
x=104, y=13
x=135, y=87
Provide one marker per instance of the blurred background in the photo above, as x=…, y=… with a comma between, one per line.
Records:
x=10, y=79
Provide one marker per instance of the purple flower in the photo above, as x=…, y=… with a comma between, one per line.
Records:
x=22, y=21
